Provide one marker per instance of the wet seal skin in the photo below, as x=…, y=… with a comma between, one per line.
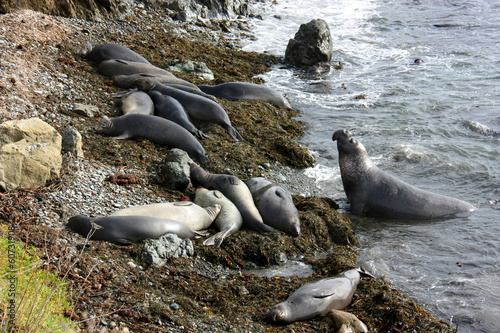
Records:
x=373, y=192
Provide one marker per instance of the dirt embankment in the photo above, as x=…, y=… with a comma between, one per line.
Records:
x=42, y=75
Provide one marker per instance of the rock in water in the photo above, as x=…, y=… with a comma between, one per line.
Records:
x=312, y=44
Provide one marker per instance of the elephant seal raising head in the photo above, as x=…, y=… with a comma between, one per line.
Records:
x=373, y=192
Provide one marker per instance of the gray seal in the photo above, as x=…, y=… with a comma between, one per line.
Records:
x=127, y=81
x=98, y=53
x=197, y=107
x=156, y=129
x=235, y=190
x=169, y=108
x=187, y=212
x=233, y=91
x=135, y=102
x=275, y=205
x=373, y=192
x=125, y=230
x=317, y=298
x=229, y=220
x=115, y=67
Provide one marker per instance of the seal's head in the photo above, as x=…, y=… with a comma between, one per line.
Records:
x=103, y=126
x=280, y=313
x=86, y=49
x=346, y=143
x=145, y=84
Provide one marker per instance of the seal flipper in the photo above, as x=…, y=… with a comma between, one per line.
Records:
x=216, y=240
x=233, y=132
x=124, y=135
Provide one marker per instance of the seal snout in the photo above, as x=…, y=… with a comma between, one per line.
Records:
x=341, y=135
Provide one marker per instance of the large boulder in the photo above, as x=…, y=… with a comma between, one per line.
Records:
x=86, y=9
x=174, y=172
x=30, y=153
x=312, y=44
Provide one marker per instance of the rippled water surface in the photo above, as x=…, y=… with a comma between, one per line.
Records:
x=435, y=125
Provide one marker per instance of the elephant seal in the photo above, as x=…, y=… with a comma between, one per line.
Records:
x=275, y=205
x=115, y=67
x=197, y=107
x=135, y=102
x=233, y=91
x=127, y=81
x=236, y=191
x=229, y=220
x=156, y=129
x=125, y=230
x=318, y=297
x=345, y=322
x=186, y=212
x=373, y=192
x=169, y=108
x=98, y=53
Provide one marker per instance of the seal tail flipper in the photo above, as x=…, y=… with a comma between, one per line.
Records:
x=200, y=135
x=234, y=133
x=201, y=233
x=216, y=240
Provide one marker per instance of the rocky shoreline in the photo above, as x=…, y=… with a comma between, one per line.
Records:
x=43, y=76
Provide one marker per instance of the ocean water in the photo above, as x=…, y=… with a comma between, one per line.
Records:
x=435, y=125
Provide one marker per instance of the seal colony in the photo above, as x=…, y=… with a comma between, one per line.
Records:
x=256, y=204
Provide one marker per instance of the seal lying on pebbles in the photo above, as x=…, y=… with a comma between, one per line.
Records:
x=135, y=102
x=125, y=230
x=373, y=192
x=197, y=107
x=98, y=53
x=156, y=129
x=318, y=297
x=275, y=205
x=236, y=191
x=127, y=81
x=247, y=91
x=169, y=108
x=229, y=220
x=189, y=213
x=115, y=67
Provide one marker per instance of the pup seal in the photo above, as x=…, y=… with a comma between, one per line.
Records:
x=135, y=102
x=125, y=230
x=275, y=205
x=229, y=220
x=197, y=107
x=233, y=91
x=169, y=108
x=318, y=297
x=186, y=212
x=115, y=67
x=235, y=190
x=373, y=192
x=156, y=129
x=98, y=53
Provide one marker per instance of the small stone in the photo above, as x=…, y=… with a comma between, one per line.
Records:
x=85, y=110
x=131, y=264
x=174, y=306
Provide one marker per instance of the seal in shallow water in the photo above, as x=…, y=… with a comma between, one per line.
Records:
x=125, y=230
x=373, y=192
x=197, y=107
x=275, y=204
x=235, y=190
x=233, y=91
x=229, y=220
x=156, y=129
x=187, y=212
x=318, y=297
